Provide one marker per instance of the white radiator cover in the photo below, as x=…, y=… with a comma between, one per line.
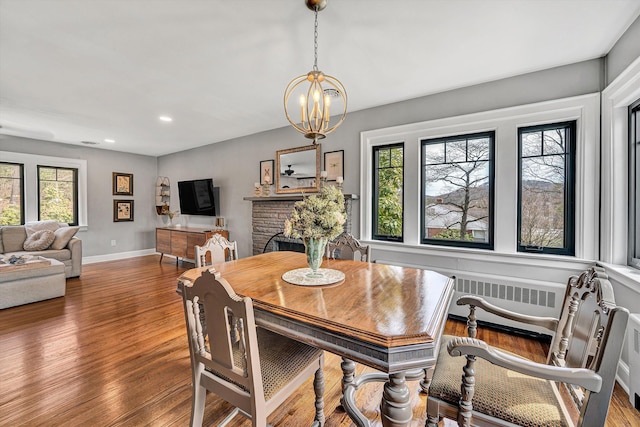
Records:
x=633, y=344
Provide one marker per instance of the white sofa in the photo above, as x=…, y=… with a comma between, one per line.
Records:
x=12, y=239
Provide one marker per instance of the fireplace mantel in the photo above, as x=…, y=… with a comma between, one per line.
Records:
x=290, y=197
x=269, y=213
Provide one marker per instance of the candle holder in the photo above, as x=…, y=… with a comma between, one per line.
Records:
x=257, y=190
x=266, y=190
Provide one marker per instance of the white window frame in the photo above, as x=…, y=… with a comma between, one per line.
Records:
x=616, y=99
x=585, y=110
x=31, y=162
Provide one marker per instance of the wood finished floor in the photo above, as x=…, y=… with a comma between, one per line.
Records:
x=113, y=352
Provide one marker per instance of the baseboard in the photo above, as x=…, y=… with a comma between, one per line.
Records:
x=622, y=376
x=117, y=256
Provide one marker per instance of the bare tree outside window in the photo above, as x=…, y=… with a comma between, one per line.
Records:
x=546, y=188
x=11, y=194
x=457, y=190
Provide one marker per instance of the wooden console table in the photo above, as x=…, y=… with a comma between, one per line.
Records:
x=180, y=241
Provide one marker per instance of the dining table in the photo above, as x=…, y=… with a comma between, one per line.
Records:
x=387, y=317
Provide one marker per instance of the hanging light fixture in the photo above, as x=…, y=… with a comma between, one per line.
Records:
x=314, y=103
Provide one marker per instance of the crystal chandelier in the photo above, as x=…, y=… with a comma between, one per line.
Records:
x=312, y=104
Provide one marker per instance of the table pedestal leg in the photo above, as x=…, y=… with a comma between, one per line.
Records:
x=395, y=408
x=348, y=374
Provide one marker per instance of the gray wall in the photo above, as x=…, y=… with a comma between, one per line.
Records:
x=624, y=52
x=234, y=164
x=96, y=240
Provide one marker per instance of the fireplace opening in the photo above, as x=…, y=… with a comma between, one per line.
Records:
x=278, y=242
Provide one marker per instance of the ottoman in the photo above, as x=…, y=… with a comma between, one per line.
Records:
x=35, y=281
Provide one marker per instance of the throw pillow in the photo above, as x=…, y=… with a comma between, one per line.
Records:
x=39, y=241
x=62, y=237
x=33, y=226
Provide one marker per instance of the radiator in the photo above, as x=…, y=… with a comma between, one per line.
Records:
x=633, y=344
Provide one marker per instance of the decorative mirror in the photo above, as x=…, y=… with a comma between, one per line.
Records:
x=298, y=169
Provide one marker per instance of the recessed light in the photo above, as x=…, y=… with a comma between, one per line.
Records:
x=165, y=118
x=111, y=141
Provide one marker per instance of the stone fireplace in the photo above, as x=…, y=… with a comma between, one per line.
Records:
x=268, y=215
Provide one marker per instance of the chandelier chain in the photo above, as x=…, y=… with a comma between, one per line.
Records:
x=315, y=42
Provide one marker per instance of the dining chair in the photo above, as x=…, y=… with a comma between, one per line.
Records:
x=256, y=372
x=498, y=388
x=345, y=246
x=217, y=247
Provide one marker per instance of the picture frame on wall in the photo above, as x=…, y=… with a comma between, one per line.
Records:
x=266, y=172
x=334, y=164
x=122, y=184
x=122, y=210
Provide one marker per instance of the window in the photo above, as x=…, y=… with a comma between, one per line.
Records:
x=457, y=190
x=388, y=193
x=58, y=194
x=546, y=200
x=634, y=185
x=503, y=127
x=11, y=194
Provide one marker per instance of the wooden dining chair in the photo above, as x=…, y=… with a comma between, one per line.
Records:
x=255, y=372
x=498, y=388
x=219, y=250
x=348, y=247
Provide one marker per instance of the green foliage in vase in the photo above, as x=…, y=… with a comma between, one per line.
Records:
x=317, y=216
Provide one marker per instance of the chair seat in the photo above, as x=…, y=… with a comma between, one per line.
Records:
x=281, y=360
x=499, y=392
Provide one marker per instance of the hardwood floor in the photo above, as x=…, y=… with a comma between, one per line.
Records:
x=113, y=352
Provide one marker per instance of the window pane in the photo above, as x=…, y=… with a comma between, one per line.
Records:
x=554, y=141
x=388, y=193
x=65, y=175
x=531, y=144
x=456, y=151
x=457, y=193
x=433, y=154
x=58, y=194
x=542, y=206
x=11, y=190
x=384, y=158
x=545, y=216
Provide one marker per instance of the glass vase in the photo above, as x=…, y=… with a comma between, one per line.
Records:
x=314, y=249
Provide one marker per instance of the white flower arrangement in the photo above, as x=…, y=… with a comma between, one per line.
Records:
x=317, y=216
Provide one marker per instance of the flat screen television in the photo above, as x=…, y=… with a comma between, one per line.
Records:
x=199, y=197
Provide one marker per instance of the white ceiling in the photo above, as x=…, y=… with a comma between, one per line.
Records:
x=86, y=70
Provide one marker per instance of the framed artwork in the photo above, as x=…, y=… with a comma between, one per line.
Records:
x=266, y=172
x=122, y=184
x=334, y=164
x=122, y=210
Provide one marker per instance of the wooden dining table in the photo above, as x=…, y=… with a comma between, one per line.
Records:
x=387, y=317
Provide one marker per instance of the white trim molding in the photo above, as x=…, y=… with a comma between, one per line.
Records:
x=616, y=98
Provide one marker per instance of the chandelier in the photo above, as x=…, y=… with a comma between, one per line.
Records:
x=311, y=104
